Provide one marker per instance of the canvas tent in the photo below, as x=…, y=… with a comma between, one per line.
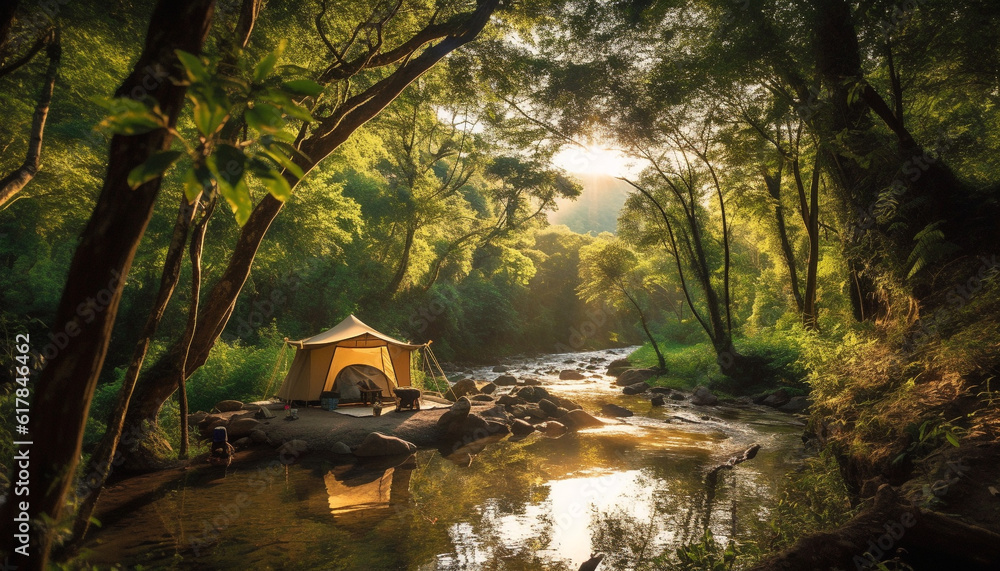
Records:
x=347, y=358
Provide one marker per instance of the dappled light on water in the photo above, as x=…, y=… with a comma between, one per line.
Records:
x=514, y=504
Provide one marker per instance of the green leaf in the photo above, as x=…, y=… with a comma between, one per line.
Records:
x=211, y=107
x=283, y=101
x=302, y=87
x=266, y=65
x=192, y=65
x=276, y=185
x=153, y=167
x=129, y=117
x=285, y=161
x=949, y=436
x=196, y=181
x=238, y=197
x=265, y=118
x=228, y=164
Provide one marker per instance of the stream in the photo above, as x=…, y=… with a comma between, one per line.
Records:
x=637, y=483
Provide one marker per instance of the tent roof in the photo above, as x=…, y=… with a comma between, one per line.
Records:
x=353, y=332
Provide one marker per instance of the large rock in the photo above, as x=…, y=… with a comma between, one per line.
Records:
x=482, y=398
x=258, y=436
x=571, y=375
x=703, y=397
x=531, y=382
x=636, y=389
x=579, y=419
x=378, y=444
x=497, y=413
x=340, y=448
x=618, y=366
x=244, y=442
x=500, y=369
x=536, y=413
x=229, y=405
x=533, y=394
x=488, y=388
x=795, y=404
x=778, y=398
x=521, y=428
x=550, y=408
x=456, y=414
x=657, y=401
x=241, y=427
x=567, y=404
x=553, y=429
x=615, y=410
x=196, y=418
x=633, y=376
x=505, y=381
x=463, y=388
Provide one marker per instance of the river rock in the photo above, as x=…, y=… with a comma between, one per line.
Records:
x=196, y=418
x=453, y=418
x=703, y=397
x=498, y=413
x=553, y=429
x=510, y=400
x=521, y=428
x=501, y=369
x=488, y=388
x=657, y=401
x=531, y=382
x=258, y=436
x=568, y=404
x=536, y=413
x=532, y=394
x=244, y=442
x=519, y=411
x=633, y=376
x=636, y=389
x=615, y=410
x=571, y=375
x=505, y=381
x=378, y=444
x=482, y=398
x=228, y=405
x=580, y=419
x=674, y=395
x=463, y=388
x=778, y=398
x=560, y=412
x=795, y=404
x=242, y=427
x=618, y=366
x=340, y=447
x=549, y=407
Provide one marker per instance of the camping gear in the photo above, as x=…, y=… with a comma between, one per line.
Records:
x=222, y=451
x=352, y=359
x=377, y=409
x=408, y=399
x=329, y=400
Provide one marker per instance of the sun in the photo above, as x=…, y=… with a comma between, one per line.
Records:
x=594, y=159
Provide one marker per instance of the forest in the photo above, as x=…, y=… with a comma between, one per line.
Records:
x=752, y=196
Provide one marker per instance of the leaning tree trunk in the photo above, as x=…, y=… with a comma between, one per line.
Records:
x=156, y=387
x=89, y=304
x=14, y=182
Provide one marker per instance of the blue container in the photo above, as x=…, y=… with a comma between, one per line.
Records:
x=329, y=403
x=219, y=434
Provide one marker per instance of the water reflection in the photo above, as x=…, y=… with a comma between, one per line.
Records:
x=632, y=489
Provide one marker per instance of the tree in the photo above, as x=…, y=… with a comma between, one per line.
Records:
x=89, y=303
x=609, y=273
x=364, y=53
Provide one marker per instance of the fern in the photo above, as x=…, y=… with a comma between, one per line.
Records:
x=931, y=246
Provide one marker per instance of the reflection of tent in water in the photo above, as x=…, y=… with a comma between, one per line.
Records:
x=353, y=488
x=348, y=358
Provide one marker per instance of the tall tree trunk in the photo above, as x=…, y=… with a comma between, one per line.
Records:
x=103, y=458
x=89, y=304
x=197, y=246
x=773, y=184
x=404, y=263
x=17, y=180
x=809, y=210
x=155, y=386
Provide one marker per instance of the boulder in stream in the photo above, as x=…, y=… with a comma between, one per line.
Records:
x=378, y=444
x=636, y=389
x=571, y=375
x=633, y=376
x=615, y=410
x=703, y=397
x=505, y=381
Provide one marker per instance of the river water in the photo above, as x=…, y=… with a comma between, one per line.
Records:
x=633, y=488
